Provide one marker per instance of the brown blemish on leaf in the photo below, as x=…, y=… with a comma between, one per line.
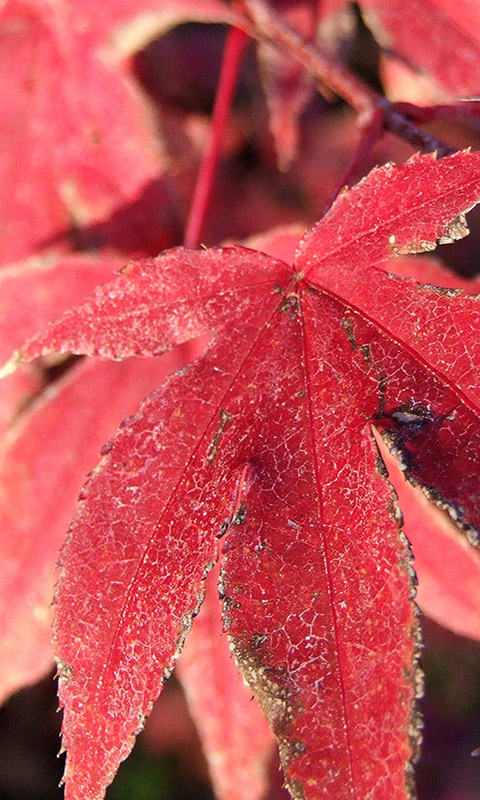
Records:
x=225, y=418
x=240, y=517
x=454, y=230
x=64, y=671
x=412, y=674
x=382, y=389
x=296, y=790
x=366, y=352
x=411, y=421
x=347, y=325
x=276, y=695
x=423, y=246
x=290, y=306
x=299, y=748
x=455, y=513
x=272, y=695
x=394, y=507
x=257, y=640
x=444, y=291
x=415, y=725
x=380, y=468
x=224, y=528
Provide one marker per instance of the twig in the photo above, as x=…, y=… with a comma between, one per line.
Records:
x=232, y=56
x=269, y=25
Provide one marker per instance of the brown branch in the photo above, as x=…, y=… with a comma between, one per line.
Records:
x=269, y=25
x=405, y=129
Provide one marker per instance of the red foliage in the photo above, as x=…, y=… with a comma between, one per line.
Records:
x=261, y=462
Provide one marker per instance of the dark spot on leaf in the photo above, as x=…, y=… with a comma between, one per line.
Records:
x=64, y=671
x=394, y=508
x=380, y=468
x=296, y=790
x=240, y=517
x=257, y=640
x=223, y=529
x=225, y=418
x=456, y=229
x=366, y=352
x=347, y=325
x=299, y=748
x=403, y=425
x=290, y=306
x=382, y=389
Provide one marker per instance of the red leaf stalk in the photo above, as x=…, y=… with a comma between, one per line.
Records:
x=234, y=48
x=371, y=132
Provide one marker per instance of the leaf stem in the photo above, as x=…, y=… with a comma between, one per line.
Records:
x=371, y=132
x=234, y=48
x=269, y=25
x=405, y=129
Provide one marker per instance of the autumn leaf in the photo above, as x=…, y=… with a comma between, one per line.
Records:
x=52, y=433
x=446, y=563
x=267, y=440
x=81, y=151
x=429, y=48
x=287, y=86
x=42, y=468
x=425, y=33
x=79, y=141
x=31, y=293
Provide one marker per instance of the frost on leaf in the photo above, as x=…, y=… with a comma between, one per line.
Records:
x=267, y=441
x=43, y=497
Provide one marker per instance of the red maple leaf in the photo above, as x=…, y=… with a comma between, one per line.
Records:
x=425, y=33
x=267, y=440
x=70, y=159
